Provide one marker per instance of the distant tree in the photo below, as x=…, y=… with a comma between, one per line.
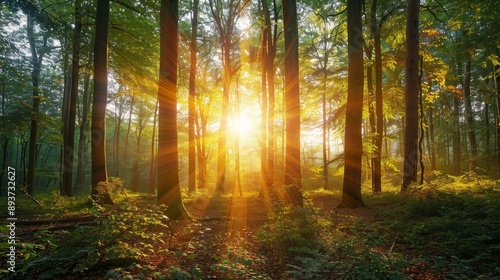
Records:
x=169, y=191
x=37, y=54
x=293, y=177
x=99, y=102
x=412, y=83
x=226, y=15
x=353, y=148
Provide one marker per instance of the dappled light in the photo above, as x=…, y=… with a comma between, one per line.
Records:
x=238, y=139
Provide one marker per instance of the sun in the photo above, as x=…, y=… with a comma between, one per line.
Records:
x=245, y=126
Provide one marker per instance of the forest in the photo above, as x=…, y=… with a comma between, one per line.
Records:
x=250, y=139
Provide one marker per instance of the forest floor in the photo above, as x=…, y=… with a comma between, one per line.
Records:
x=419, y=236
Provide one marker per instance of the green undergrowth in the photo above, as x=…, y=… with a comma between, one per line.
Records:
x=448, y=228
x=450, y=223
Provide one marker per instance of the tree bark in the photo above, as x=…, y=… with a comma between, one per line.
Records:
x=377, y=163
x=456, y=135
x=353, y=148
x=69, y=138
x=98, y=124
x=410, y=165
x=152, y=164
x=432, y=150
x=169, y=192
x=469, y=116
x=83, y=127
x=192, y=98
x=293, y=177
x=36, y=60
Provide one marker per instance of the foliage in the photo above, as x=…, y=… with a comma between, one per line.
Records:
x=452, y=222
x=130, y=234
x=306, y=245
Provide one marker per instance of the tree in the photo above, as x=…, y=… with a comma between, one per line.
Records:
x=293, y=177
x=225, y=18
x=37, y=55
x=469, y=115
x=353, y=147
x=169, y=191
x=98, y=123
x=192, y=98
x=69, y=135
x=412, y=82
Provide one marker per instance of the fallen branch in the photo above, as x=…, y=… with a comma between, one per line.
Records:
x=55, y=221
x=22, y=190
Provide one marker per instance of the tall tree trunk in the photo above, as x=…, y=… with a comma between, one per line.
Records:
x=152, y=164
x=496, y=70
x=411, y=95
x=456, y=135
x=98, y=124
x=325, y=130
x=487, y=127
x=371, y=107
x=69, y=138
x=377, y=163
x=118, y=125
x=271, y=55
x=83, y=127
x=469, y=116
x=432, y=143
x=293, y=177
x=169, y=191
x=201, y=127
x=237, y=147
x=135, y=180
x=353, y=148
x=264, y=102
x=191, y=100
x=225, y=30
x=36, y=60
x=127, y=136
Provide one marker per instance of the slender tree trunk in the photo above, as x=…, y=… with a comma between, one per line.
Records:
x=237, y=147
x=118, y=125
x=169, y=192
x=201, y=126
x=65, y=114
x=469, y=116
x=83, y=127
x=325, y=131
x=456, y=135
x=36, y=60
x=69, y=143
x=487, y=127
x=225, y=36
x=293, y=177
x=98, y=124
x=353, y=148
x=411, y=95
x=371, y=107
x=191, y=100
x=432, y=150
x=377, y=163
x=135, y=181
x=152, y=165
x=264, y=102
x=127, y=136
x=496, y=69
